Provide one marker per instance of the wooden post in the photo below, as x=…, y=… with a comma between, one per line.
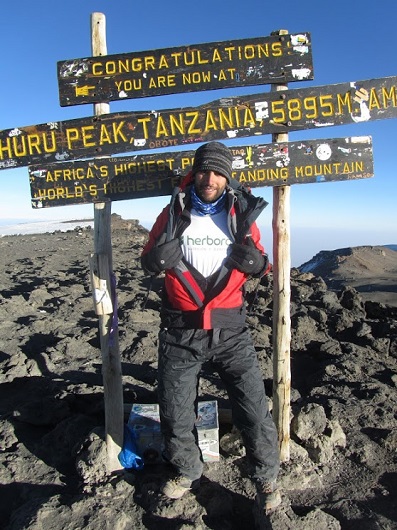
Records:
x=281, y=305
x=104, y=292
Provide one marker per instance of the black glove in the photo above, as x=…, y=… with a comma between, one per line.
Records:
x=162, y=257
x=247, y=259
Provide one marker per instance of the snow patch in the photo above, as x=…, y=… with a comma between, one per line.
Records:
x=43, y=227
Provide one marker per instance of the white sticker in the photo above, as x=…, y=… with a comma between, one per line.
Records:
x=323, y=152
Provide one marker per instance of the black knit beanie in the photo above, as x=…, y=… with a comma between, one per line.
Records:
x=213, y=156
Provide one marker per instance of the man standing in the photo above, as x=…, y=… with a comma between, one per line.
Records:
x=207, y=242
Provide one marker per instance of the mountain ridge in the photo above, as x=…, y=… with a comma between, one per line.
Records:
x=371, y=270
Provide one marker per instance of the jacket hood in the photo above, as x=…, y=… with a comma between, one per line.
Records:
x=186, y=181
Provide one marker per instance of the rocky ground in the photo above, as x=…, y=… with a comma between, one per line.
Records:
x=342, y=473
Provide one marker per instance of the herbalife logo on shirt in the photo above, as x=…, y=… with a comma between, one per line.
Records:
x=206, y=241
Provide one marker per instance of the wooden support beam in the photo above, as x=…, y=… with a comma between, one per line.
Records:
x=108, y=329
x=281, y=306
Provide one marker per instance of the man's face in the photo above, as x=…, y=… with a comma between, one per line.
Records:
x=209, y=185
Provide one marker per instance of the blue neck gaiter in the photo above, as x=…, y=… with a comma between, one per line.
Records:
x=207, y=208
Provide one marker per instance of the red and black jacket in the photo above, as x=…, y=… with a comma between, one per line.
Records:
x=189, y=300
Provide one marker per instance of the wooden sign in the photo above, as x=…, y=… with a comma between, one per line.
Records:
x=274, y=59
x=276, y=164
x=234, y=117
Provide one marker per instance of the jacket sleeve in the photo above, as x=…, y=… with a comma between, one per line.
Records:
x=156, y=236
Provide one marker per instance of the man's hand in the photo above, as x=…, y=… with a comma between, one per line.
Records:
x=165, y=256
x=246, y=258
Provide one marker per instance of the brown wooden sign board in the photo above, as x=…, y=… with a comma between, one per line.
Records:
x=234, y=117
x=276, y=164
x=197, y=67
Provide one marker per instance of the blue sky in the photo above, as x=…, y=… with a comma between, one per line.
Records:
x=351, y=41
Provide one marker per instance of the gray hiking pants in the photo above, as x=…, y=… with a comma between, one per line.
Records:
x=182, y=353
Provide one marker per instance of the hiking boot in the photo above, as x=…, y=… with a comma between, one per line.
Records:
x=175, y=488
x=268, y=496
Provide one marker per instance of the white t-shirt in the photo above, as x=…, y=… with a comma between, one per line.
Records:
x=205, y=241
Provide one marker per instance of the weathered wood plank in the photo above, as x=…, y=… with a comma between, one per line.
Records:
x=190, y=68
x=235, y=117
x=276, y=164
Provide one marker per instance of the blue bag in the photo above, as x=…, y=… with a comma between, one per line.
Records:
x=128, y=456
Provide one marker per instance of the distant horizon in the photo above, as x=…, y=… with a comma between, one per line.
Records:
x=303, y=249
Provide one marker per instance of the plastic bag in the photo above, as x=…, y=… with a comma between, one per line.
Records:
x=128, y=456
